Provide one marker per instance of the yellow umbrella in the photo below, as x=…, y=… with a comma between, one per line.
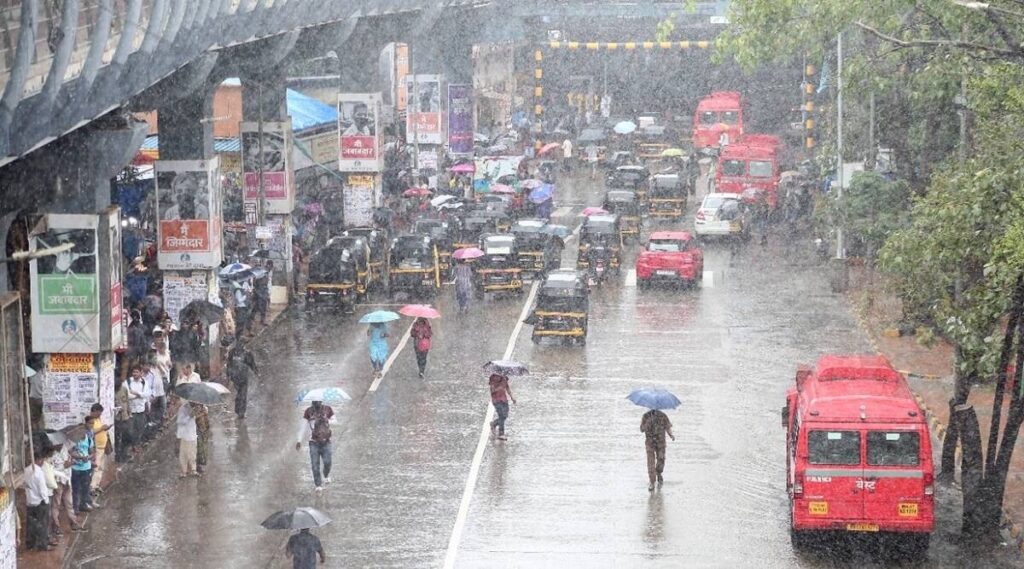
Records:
x=672, y=152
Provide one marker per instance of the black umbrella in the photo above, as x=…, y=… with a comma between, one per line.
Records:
x=299, y=518
x=204, y=310
x=74, y=433
x=199, y=393
x=506, y=367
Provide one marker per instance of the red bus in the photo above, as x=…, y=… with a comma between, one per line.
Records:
x=718, y=114
x=751, y=163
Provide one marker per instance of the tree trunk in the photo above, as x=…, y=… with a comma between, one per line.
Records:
x=962, y=382
x=1016, y=306
x=978, y=497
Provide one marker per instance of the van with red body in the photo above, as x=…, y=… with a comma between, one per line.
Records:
x=719, y=113
x=750, y=164
x=858, y=452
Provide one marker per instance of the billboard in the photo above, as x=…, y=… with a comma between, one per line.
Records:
x=189, y=210
x=460, y=119
x=393, y=69
x=423, y=121
x=272, y=158
x=66, y=299
x=70, y=390
x=358, y=128
x=359, y=196
x=110, y=281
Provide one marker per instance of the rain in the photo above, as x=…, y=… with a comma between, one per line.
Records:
x=494, y=283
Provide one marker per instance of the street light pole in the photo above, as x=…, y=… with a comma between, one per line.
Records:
x=840, y=248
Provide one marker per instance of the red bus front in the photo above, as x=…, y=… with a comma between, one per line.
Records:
x=742, y=167
x=718, y=118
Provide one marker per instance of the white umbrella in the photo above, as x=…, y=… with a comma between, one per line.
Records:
x=441, y=199
x=625, y=127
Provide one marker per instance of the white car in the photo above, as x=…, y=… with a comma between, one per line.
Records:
x=720, y=215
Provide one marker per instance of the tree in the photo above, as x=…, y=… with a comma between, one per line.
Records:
x=871, y=210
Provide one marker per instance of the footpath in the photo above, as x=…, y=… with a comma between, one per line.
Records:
x=55, y=557
x=929, y=370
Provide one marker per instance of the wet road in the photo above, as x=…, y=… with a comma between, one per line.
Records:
x=569, y=487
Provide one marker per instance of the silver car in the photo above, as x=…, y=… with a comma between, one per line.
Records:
x=720, y=215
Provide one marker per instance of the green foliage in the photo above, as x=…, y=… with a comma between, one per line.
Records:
x=871, y=210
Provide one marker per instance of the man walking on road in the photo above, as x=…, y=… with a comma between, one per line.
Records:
x=500, y=396
x=316, y=427
x=241, y=370
x=655, y=425
x=463, y=284
x=304, y=548
x=188, y=438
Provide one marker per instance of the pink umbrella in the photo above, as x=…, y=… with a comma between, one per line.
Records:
x=463, y=168
x=594, y=211
x=502, y=189
x=467, y=253
x=548, y=148
x=419, y=311
x=417, y=192
x=531, y=184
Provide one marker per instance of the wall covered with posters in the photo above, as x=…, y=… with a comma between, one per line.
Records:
x=179, y=290
x=359, y=132
x=70, y=389
x=359, y=196
x=274, y=159
x=424, y=121
x=189, y=210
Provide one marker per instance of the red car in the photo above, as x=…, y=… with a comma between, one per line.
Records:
x=670, y=256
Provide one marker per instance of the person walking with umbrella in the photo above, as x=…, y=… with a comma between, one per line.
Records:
x=655, y=425
x=303, y=547
x=316, y=428
x=501, y=393
x=378, y=333
x=241, y=369
x=421, y=334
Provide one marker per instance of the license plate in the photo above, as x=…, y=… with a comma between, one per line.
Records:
x=908, y=510
x=817, y=508
x=665, y=273
x=861, y=527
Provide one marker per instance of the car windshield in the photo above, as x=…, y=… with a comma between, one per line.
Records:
x=889, y=448
x=760, y=169
x=733, y=168
x=833, y=447
x=713, y=202
x=708, y=117
x=667, y=245
x=730, y=117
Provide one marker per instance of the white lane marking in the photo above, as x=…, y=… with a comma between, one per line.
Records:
x=575, y=233
x=481, y=446
x=391, y=360
x=631, y=278
x=562, y=211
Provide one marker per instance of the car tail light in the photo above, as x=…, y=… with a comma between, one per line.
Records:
x=798, y=485
x=700, y=215
x=929, y=484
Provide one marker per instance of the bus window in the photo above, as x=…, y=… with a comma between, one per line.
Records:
x=733, y=168
x=708, y=117
x=834, y=447
x=730, y=117
x=760, y=169
x=893, y=448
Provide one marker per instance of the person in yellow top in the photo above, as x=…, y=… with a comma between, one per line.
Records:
x=103, y=446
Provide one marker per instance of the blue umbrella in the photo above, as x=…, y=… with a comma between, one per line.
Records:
x=542, y=193
x=379, y=316
x=325, y=394
x=235, y=271
x=654, y=399
x=506, y=367
x=556, y=230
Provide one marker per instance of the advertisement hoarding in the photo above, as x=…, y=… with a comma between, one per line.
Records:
x=359, y=196
x=423, y=122
x=460, y=119
x=110, y=280
x=70, y=389
x=273, y=159
x=189, y=210
x=358, y=127
x=393, y=69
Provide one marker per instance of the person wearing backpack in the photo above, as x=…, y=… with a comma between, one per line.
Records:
x=316, y=427
x=421, y=333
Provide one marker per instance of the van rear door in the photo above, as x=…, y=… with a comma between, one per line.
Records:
x=895, y=477
x=833, y=474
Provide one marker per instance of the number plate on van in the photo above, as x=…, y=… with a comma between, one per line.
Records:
x=908, y=510
x=861, y=527
x=817, y=508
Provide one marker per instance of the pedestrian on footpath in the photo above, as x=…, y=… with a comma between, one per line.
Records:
x=500, y=396
x=60, y=459
x=463, y=284
x=204, y=436
x=138, y=400
x=122, y=422
x=160, y=365
x=37, y=526
x=421, y=333
x=188, y=375
x=303, y=548
x=187, y=439
x=82, y=455
x=378, y=333
x=316, y=428
x=261, y=294
x=655, y=425
x=241, y=370
x=51, y=487
x=103, y=447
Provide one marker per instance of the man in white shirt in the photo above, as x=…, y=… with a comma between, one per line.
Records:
x=37, y=497
x=187, y=375
x=567, y=155
x=61, y=460
x=161, y=366
x=155, y=387
x=188, y=438
x=138, y=400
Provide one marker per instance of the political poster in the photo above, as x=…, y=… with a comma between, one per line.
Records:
x=66, y=299
x=460, y=119
x=189, y=210
x=359, y=199
x=179, y=290
x=423, y=121
x=268, y=157
x=358, y=128
x=70, y=389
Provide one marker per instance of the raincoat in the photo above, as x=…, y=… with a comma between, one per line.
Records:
x=378, y=345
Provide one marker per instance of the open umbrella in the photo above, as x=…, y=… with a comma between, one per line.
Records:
x=752, y=195
x=506, y=367
x=502, y=189
x=441, y=200
x=548, y=148
x=204, y=310
x=299, y=518
x=378, y=317
x=587, y=212
x=532, y=183
x=556, y=230
x=417, y=193
x=625, y=127
x=542, y=194
x=465, y=168
x=654, y=398
x=419, y=311
x=324, y=394
x=236, y=271
x=450, y=205
x=468, y=253
x=201, y=392
x=672, y=152
x=223, y=390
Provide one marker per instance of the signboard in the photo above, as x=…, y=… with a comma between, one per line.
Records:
x=460, y=119
x=272, y=158
x=8, y=537
x=179, y=290
x=66, y=298
x=189, y=209
x=358, y=128
x=107, y=392
x=393, y=68
x=324, y=148
x=358, y=197
x=492, y=168
x=423, y=121
x=70, y=390
x=251, y=212
x=110, y=280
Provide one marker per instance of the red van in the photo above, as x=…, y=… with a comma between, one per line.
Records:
x=858, y=452
x=719, y=113
x=751, y=163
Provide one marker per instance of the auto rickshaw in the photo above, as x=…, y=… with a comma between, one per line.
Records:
x=443, y=232
x=498, y=269
x=339, y=274
x=539, y=245
x=561, y=308
x=630, y=177
x=601, y=230
x=377, y=241
x=666, y=198
x=480, y=218
x=624, y=204
x=415, y=265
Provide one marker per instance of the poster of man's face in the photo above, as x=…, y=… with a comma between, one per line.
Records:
x=79, y=260
x=273, y=152
x=183, y=195
x=358, y=119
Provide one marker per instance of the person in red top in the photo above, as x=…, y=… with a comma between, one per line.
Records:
x=421, y=333
x=501, y=394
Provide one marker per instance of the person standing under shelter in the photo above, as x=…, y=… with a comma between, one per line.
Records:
x=122, y=422
x=303, y=548
x=316, y=428
x=60, y=459
x=138, y=400
x=83, y=453
x=655, y=425
x=103, y=446
x=500, y=396
x=37, y=528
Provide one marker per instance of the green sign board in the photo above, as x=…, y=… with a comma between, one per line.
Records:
x=68, y=294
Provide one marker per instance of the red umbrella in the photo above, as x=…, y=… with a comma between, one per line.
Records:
x=594, y=211
x=548, y=148
x=467, y=253
x=419, y=311
x=463, y=168
x=502, y=189
x=417, y=192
